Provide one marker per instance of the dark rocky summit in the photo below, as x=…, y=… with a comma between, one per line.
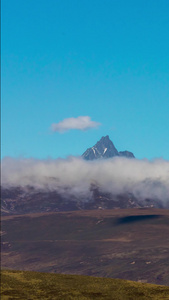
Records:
x=104, y=149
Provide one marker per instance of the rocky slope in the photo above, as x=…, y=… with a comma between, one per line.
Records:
x=21, y=201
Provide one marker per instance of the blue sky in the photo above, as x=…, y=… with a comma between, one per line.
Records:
x=108, y=60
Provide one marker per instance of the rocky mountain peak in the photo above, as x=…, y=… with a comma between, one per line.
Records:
x=104, y=148
x=105, y=138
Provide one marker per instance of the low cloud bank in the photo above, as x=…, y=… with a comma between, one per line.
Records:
x=143, y=178
x=80, y=123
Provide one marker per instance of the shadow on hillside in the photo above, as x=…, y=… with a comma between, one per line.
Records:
x=137, y=218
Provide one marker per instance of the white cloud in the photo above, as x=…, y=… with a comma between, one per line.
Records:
x=80, y=123
x=143, y=178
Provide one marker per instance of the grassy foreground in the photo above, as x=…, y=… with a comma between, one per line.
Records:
x=34, y=285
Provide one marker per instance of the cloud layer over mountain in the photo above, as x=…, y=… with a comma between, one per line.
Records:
x=143, y=178
x=80, y=123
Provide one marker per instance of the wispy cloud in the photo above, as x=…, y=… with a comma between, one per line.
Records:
x=79, y=123
x=142, y=178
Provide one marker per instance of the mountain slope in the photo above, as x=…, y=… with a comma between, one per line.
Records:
x=28, y=200
x=104, y=149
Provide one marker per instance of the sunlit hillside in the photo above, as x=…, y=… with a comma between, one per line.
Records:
x=34, y=285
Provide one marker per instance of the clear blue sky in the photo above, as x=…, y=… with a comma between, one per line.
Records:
x=108, y=60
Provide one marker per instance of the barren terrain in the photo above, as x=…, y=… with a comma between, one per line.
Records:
x=129, y=244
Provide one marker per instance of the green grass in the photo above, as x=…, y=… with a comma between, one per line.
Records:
x=34, y=285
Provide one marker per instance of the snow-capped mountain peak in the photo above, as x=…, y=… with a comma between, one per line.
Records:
x=104, y=149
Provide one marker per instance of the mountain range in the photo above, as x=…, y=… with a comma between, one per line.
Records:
x=21, y=200
x=104, y=148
